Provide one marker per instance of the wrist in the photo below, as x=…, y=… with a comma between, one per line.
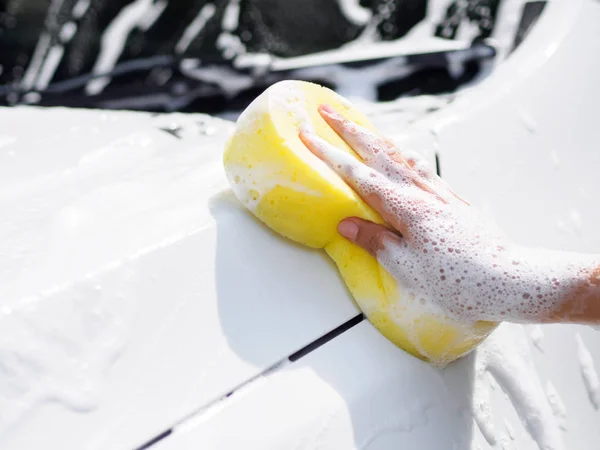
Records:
x=582, y=304
x=554, y=286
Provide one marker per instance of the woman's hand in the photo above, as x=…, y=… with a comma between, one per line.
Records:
x=443, y=252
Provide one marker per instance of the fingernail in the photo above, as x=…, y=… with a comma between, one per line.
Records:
x=306, y=133
x=327, y=109
x=306, y=127
x=348, y=229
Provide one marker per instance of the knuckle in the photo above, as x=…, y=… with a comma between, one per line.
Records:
x=376, y=243
x=349, y=170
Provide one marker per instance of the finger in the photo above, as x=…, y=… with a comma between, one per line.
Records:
x=374, y=238
x=378, y=152
x=392, y=202
x=341, y=162
x=419, y=164
x=425, y=170
x=369, y=146
x=418, y=177
x=453, y=194
x=364, y=180
x=374, y=148
x=391, y=251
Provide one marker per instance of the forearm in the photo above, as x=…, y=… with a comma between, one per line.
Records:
x=509, y=283
x=561, y=287
x=582, y=305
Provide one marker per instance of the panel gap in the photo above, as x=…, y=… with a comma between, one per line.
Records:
x=326, y=338
x=297, y=355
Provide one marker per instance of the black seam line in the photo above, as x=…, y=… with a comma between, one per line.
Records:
x=155, y=439
x=268, y=371
x=212, y=404
x=438, y=169
x=326, y=338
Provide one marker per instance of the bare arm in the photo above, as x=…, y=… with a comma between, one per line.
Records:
x=583, y=305
x=441, y=250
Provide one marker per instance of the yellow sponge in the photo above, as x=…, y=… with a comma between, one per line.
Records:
x=289, y=189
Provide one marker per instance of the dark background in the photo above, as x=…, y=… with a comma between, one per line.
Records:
x=148, y=72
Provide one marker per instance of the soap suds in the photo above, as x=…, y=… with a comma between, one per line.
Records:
x=451, y=254
x=588, y=372
x=510, y=432
x=139, y=14
x=230, y=44
x=557, y=405
x=231, y=15
x=67, y=32
x=505, y=355
x=219, y=75
x=537, y=335
x=286, y=101
x=454, y=261
x=506, y=443
x=288, y=98
x=250, y=185
x=355, y=12
x=194, y=28
x=58, y=345
x=37, y=60
x=49, y=67
x=80, y=8
x=482, y=410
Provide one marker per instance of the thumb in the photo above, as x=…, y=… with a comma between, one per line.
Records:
x=374, y=238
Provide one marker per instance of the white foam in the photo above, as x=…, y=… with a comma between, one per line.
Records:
x=59, y=345
x=195, y=26
x=140, y=13
x=537, y=335
x=251, y=183
x=80, y=8
x=288, y=98
x=230, y=83
x=456, y=257
x=355, y=12
x=482, y=412
x=453, y=255
x=37, y=60
x=558, y=407
x=505, y=355
x=67, y=31
x=454, y=260
x=509, y=430
x=49, y=67
x=231, y=15
x=588, y=372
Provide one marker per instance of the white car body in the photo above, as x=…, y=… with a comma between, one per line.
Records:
x=138, y=299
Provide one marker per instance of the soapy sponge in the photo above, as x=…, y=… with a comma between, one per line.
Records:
x=289, y=189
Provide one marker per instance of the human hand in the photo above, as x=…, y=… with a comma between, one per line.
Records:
x=441, y=251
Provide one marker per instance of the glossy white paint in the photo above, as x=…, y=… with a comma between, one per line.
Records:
x=109, y=221
x=524, y=146
x=360, y=392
